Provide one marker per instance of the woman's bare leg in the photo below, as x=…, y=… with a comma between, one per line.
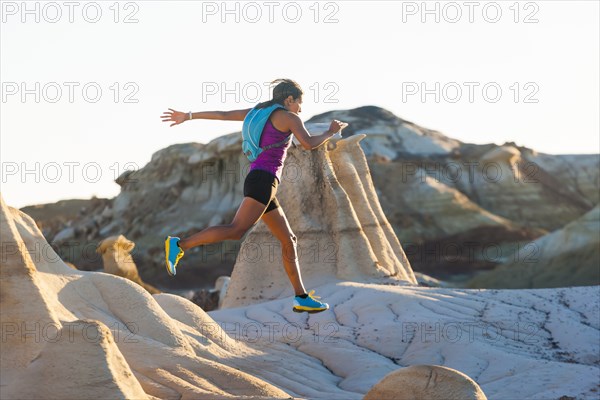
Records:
x=279, y=226
x=247, y=215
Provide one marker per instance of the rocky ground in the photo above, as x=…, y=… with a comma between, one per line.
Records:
x=80, y=334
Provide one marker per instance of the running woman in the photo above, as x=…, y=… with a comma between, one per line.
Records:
x=260, y=185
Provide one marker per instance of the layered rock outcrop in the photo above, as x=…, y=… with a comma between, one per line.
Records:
x=566, y=257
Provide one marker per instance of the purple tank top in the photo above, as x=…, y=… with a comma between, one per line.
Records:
x=272, y=159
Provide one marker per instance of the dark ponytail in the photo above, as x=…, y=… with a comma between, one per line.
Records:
x=284, y=88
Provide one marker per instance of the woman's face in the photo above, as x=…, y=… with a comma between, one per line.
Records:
x=294, y=106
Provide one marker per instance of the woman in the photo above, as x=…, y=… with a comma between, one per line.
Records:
x=260, y=185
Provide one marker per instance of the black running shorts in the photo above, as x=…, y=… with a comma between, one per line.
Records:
x=262, y=185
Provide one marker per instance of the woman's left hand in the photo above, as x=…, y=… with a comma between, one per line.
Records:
x=337, y=126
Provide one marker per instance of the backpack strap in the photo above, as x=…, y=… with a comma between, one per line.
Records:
x=284, y=141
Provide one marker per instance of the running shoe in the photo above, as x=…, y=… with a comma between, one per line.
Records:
x=310, y=304
x=173, y=254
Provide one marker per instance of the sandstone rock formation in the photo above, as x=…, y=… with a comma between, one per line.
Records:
x=512, y=343
x=72, y=227
x=77, y=334
x=432, y=382
x=56, y=217
x=508, y=184
x=338, y=222
x=80, y=334
x=504, y=180
x=115, y=251
x=391, y=137
x=447, y=201
x=566, y=257
x=579, y=171
x=443, y=231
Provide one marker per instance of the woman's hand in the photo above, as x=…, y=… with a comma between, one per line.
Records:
x=336, y=126
x=176, y=116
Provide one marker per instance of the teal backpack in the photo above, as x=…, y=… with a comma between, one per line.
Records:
x=252, y=128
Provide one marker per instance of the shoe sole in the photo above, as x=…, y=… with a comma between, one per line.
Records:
x=309, y=311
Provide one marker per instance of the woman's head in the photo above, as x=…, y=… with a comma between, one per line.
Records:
x=288, y=93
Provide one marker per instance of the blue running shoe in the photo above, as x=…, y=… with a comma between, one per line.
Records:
x=173, y=253
x=309, y=304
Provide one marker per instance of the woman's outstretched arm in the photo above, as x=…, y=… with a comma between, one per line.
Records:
x=178, y=117
x=308, y=141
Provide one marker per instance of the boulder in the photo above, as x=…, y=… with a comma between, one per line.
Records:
x=426, y=382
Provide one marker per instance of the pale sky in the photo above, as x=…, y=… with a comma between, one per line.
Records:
x=349, y=54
